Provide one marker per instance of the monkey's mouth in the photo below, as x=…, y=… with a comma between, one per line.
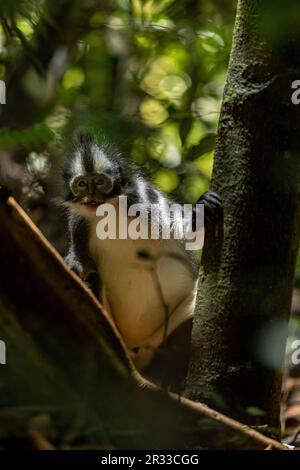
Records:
x=92, y=203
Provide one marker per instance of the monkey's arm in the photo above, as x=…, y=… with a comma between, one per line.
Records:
x=212, y=206
x=78, y=257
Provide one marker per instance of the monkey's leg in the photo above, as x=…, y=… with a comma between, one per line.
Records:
x=169, y=365
x=143, y=355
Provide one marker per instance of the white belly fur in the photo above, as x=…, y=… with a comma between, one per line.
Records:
x=130, y=294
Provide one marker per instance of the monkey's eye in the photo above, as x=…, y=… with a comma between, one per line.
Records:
x=103, y=183
x=100, y=182
x=82, y=183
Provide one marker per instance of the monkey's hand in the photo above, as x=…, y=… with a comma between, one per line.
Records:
x=89, y=277
x=212, y=206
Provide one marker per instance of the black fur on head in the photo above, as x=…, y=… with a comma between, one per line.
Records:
x=92, y=156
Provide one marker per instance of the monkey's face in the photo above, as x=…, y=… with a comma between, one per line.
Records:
x=93, y=176
x=91, y=190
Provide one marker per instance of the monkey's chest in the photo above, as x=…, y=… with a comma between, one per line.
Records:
x=141, y=281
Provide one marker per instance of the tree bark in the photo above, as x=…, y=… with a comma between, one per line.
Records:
x=244, y=297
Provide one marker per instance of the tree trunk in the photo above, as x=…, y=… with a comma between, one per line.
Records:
x=244, y=297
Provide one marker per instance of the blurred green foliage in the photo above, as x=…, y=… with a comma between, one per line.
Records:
x=148, y=74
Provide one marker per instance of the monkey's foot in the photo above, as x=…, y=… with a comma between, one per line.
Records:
x=92, y=280
x=142, y=356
